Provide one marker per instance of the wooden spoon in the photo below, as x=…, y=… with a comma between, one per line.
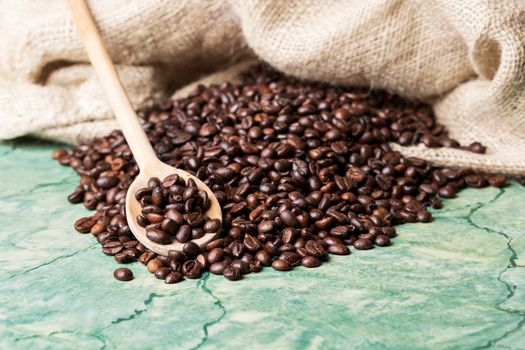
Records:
x=149, y=164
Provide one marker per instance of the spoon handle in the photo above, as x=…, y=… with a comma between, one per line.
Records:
x=118, y=99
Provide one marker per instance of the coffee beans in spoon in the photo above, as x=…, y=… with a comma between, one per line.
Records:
x=302, y=171
x=173, y=209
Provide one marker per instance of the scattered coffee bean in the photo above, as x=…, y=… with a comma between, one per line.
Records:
x=84, y=225
x=310, y=261
x=382, y=240
x=338, y=249
x=123, y=274
x=232, y=273
x=154, y=265
x=173, y=277
x=363, y=244
x=281, y=265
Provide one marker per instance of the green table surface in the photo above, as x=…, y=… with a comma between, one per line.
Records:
x=456, y=283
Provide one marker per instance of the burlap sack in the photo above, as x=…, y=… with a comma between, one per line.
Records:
x=467, y=57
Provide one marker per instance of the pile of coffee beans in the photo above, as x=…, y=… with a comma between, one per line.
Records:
x=173, y=209
x=302, y=170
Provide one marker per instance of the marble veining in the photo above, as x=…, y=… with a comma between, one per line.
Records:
x=457, y=282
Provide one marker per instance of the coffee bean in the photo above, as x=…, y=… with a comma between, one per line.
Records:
x=84, y=225
x=477, y=147
x=338, y=249
x=289, y=218
x=162, y=273
x=215, y=255
x=475, y=181
x=146, y=257
x=124, y=258
x=217, y=268
x=183, y=234
x=232, y=273
x=363, y=244
x=251, y=243
x=447, y=192
x=281, y=265
x=158, y=236
x=98, y=228
x=154, y=265
x=292, y=258
x=264, y=257
x=192, y=269
x=382, y=240
x=58, y=153
x=112, y=247
x=212, y=225
x=173, y=277
x=310, y=261
x=424, y=216
x=314, y=248
x=191, y=250
x=497, y=180
x=106, y=182
x=123, y=274
x=76, y=196
x=243, y=266
x=340, y=231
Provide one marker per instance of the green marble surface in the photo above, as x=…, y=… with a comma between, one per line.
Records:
x=457, y=283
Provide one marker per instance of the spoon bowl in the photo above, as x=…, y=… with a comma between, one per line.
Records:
x=133, y=207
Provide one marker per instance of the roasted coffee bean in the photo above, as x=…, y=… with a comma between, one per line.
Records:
x=212, y=225
x=146, y=257
x=162, y=272
x=169, y=226
x=106, y=182
x=289, y=218
x=243, y=266
x=293, y=259
x=251, y=243
x=112, y=247
x=315, y=248
x=424, y=216
x=217, y=268
x=192, y=269
x=497, y=180
x=447, y=191
x=158, y=236
x=215, y=255
x=281, y=265
x=475, y=181
x=382, y=240
x=191, y=250
x=84, y=225
x=176, y=255
x=256, y=266
x=338, y=249
x=232, y=273
x=154, y=265
x=183, y=235
x=363, y=244
x=98, y=228
x=300, y=170
x=173, y=277
x=310, y=261
x=124, y=257
x=123, y=274
x=264, y=257
x=76, y=196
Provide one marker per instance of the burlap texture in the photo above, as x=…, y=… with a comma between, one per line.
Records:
x=467, y=57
